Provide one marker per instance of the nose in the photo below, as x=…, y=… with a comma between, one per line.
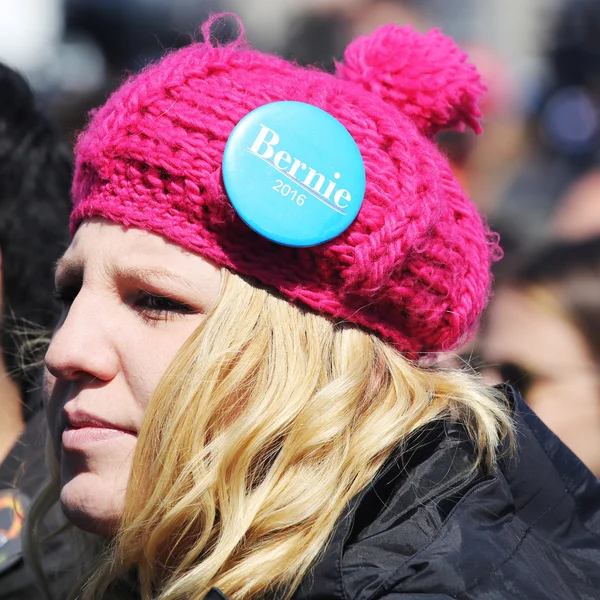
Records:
x=83, y=344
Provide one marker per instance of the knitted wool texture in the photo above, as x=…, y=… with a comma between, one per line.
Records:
x=415, y=264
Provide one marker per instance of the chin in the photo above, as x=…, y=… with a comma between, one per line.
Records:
x=92, y=504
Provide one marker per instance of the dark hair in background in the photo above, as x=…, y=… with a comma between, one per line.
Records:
x=320, y=36
x=574, y=44
x=572, y=271
x=35, y=179
x=573, y=59
x=318, y=39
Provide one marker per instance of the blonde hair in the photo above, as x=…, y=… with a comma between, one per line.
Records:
x=269, y=420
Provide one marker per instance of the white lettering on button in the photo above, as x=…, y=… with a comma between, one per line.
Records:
x=311, y=176
x=331, y=186
x=264, y=147
x=282, y=156
x=298, y=164
x=261, y=139
x=342, y=194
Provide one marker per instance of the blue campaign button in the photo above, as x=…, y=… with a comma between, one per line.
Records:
x=294, y=174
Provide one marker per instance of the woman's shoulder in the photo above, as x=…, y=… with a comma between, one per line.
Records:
x=434, y=523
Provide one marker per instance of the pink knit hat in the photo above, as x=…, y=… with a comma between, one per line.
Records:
x=414, y=266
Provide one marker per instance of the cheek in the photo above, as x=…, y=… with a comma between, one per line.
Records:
x=151, y=358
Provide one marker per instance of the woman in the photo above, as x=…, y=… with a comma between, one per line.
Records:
x=260, y=254
x=542, y=334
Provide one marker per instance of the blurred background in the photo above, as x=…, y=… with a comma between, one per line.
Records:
x=534, y=174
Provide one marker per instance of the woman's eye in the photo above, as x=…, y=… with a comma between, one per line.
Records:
x=157, y=307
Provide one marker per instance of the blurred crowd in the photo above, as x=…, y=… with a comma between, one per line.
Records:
x=535, y=175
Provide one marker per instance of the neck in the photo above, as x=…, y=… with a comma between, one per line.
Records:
x=12, y=423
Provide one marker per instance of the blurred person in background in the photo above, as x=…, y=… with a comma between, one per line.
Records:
x=563, y=130
x=577, y=216
x=542, y=335
x=35, y=173
x=118, y=36
x=320, y=36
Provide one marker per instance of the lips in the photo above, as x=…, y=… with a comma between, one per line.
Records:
x=84, y=429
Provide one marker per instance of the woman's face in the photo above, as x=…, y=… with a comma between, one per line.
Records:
x=130, y=299
x=531, y=343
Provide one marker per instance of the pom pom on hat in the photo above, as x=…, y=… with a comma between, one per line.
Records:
x=426, y=76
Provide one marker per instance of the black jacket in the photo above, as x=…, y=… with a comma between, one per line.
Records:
x=428, y=528
x=25, y=467
x=431, y=527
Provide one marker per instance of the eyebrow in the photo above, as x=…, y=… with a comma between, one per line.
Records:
x=148, y=275
x=74, y=269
